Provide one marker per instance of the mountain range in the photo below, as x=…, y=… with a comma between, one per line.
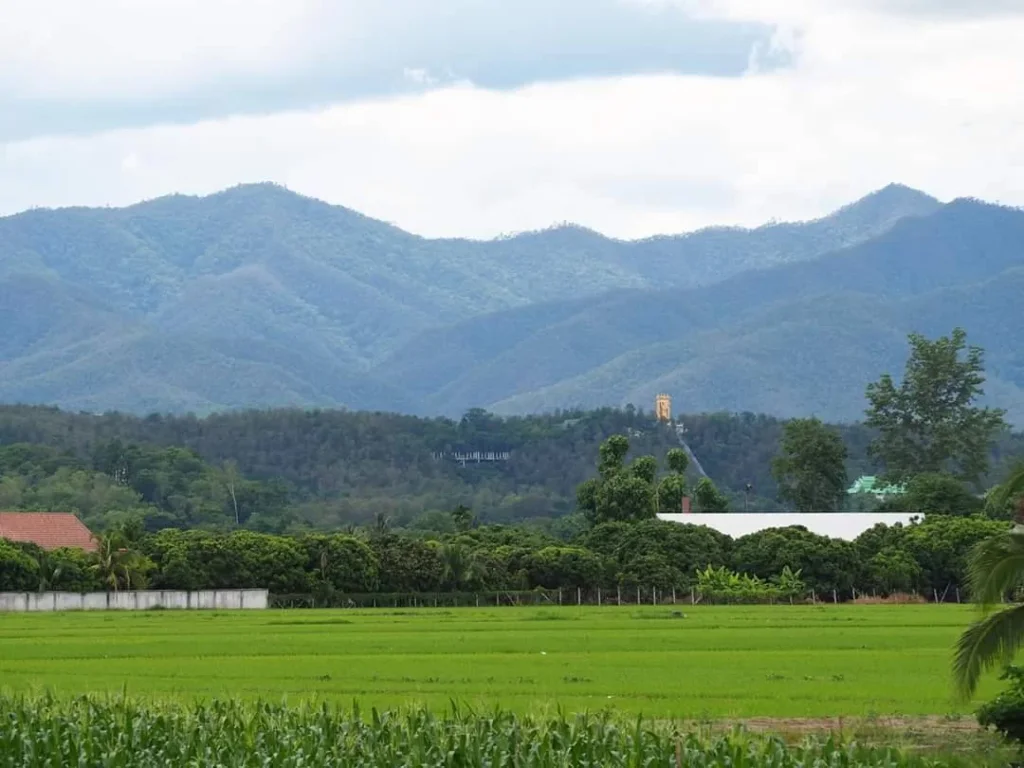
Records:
x=257, y=296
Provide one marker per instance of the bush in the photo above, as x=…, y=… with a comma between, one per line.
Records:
x=18, y=571
x=1005, y=713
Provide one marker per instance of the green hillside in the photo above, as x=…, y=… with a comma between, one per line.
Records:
x=259, y=297
x=791, y=340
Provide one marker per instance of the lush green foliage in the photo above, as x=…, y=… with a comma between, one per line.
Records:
x=633, y=492
x=328, y=469
x=938, y=494
x=665, y=661
x=931, y=423
x=995, y=571
x=811, y=467
x=278, y=469
x=929, y=557
x=1005, y=713
x=722, y=585
x=119, y=733
x=707, y=498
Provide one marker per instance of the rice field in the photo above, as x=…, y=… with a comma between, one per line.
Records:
x=663, y=663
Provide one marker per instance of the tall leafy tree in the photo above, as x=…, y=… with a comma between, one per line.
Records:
x=930, y=422
x=811, y=469
x=462, y=518
x=935, y=494
x=620, y=492
x=672, y=487
x=612, y=455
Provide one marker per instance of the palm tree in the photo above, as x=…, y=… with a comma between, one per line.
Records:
x=117, y=564
x=49, y=572
x=996, y=568
x=460, y=565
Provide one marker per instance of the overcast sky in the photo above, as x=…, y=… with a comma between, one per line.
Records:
x=481, y=117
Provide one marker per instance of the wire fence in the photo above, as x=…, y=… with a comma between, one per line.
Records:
x=616, y=596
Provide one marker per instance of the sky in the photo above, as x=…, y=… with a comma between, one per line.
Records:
x=478, y=118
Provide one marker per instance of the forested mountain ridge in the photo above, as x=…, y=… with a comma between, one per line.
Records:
x=791, y=340
x=259, y=297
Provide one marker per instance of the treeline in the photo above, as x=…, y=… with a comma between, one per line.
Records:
x=928, y=557
x=304, y=469
x=162, y=487
x=289, y=470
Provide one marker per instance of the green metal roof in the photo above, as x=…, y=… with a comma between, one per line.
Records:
x=869, y=484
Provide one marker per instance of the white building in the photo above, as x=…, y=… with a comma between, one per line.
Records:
x=835, y=525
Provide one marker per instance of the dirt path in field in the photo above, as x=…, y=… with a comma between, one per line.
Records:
x=923, y=725
x=951, y=733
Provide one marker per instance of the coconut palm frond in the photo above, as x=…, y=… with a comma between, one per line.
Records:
x=996, y=567
x=1003, y=494
x=986, y=643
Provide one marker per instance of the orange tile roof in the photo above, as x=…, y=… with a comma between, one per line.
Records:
x=48, y=530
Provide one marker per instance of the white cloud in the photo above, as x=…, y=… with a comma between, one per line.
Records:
x=71, y=67
x=871, y=98
x=419, y=76
x=141, y=48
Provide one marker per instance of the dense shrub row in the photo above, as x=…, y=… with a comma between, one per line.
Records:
x=928, y=557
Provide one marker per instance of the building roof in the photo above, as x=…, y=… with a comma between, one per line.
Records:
x=49, y=530
x=870, y=484
x=835, y=525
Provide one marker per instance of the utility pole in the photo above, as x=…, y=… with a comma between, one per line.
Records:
x=746, y=496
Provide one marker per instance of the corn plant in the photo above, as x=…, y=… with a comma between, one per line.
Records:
x=121, y=733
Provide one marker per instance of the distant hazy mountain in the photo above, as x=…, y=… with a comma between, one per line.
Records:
x=794, y=339
x=257, y=296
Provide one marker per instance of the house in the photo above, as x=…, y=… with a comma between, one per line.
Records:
x=49, y=530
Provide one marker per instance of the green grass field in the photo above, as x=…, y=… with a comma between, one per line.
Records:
x=716, y=662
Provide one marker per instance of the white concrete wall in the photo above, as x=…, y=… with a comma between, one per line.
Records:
x=145, y=600
x=67, y=601
x=13, y=601
x=222, y=599
x=255, y=599
x=174, y=599
x=42, y=601
x=227, y=599
x=121, y=601
x=94, y=601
